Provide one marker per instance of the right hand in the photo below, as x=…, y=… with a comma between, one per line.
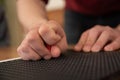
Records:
x=33, y=46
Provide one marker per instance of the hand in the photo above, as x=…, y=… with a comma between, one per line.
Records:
x=33, y=46
x=99, y=38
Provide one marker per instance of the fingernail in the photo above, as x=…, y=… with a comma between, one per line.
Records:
x=47, y=57
x=77, y=48
x=87, y=49
x=96, y=49
x=109, y=49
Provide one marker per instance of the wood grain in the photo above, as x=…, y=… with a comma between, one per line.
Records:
x=8, y=53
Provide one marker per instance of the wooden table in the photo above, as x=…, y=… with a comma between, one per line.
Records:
x=8, y=53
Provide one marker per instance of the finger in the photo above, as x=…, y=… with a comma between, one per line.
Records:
x=27, y=53
x=113, y=46
x=62, y=44
x=55, y=51
x=49, y=35
x=92, y=37
x=103, y=39
x=57, y=28
x=80, y=44
x=36, y=43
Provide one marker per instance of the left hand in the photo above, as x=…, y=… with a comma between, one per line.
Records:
x=99, y=38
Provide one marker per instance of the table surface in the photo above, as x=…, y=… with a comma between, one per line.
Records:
x=8, y=53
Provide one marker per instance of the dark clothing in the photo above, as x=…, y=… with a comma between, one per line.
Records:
x=4, y=38
x=76, y=23
x=93, y=7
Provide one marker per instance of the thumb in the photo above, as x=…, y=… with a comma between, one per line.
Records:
x=49, y=35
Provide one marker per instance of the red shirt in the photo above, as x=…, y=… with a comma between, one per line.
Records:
x=93, y=7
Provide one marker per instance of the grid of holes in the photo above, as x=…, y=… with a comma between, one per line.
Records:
x=71, y=66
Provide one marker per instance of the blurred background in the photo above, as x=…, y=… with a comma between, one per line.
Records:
x=54, y=7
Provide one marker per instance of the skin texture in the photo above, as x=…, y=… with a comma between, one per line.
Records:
x=99, y=38
x=33, y=46
x=41, y=32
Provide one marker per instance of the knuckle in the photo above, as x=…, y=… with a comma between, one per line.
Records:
x=84, y=33
x=22, y=49
x=107, y=32
x=21, y=53
x=30, y=38
x=97, y=26
x=53, y=38
x=108, y=28
x=94, y=30
x=43, y=30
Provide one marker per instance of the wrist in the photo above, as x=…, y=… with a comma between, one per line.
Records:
x=34, y=24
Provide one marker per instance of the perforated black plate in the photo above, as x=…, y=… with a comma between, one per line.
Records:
x=70, y=66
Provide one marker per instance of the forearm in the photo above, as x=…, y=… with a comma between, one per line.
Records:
x=31, y=13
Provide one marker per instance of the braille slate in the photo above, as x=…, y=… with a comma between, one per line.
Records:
x=69, y=66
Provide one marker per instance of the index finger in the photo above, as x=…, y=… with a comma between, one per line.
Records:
x=49, y=35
